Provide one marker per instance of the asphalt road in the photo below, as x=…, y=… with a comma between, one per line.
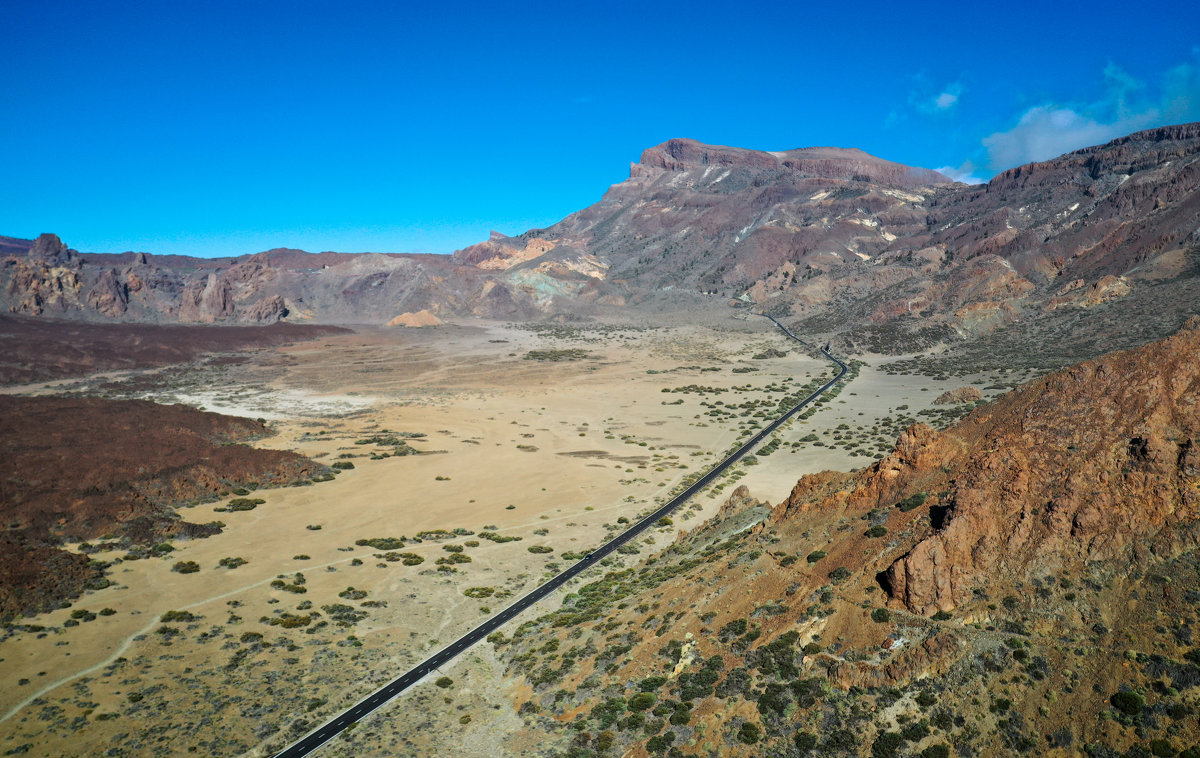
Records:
x=380, y=697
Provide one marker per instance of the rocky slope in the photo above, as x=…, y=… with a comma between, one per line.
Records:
x=1022, y=490
x=1019, y=583
x=52, y=280
x=65, y=481
x=887, y=256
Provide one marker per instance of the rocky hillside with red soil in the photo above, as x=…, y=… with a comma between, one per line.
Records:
x=1024, y=488
x=79, y=469
x=35, y=350
x=1020, y=583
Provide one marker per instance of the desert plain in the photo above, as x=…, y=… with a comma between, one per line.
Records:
x=480, y=457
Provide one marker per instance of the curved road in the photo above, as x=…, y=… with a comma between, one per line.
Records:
x=380, y=697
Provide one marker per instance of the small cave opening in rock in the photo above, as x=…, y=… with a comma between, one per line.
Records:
x=938, y=515
x=885, y=582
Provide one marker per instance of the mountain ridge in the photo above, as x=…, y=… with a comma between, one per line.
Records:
x=866, y=252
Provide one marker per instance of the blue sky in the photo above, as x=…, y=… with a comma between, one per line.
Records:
x=221, y=128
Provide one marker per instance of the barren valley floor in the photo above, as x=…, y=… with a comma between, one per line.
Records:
x=551, y=435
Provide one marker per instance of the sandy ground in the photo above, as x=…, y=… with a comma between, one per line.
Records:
x=551, y=451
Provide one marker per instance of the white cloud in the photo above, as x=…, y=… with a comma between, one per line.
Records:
x=925, y=99
x=945, y=100
x=1047, y=131
x=1127, y=105
x=964, y=173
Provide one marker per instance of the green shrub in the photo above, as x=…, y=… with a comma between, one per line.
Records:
x=912, y=503
x=642, y=701
x=444, y=682
x=499, y=538
x=839, y=574
x=942, y=616
x=805, y=741
x=843, y=740
x=341, y=612
x=749, y=733
x=734, y=628
x=479, y=592
x=1129, y=703
x=660, y=743
x=170, y=616
x=881, y=616
x=232, y=563
x=1161, y=748
x=186, y=567
x=244, y=503
x=682, y=715
x=288, y=621
x=815, y=556
x=936, y=751
x=877, y=531
x=886, y=745
x=382, y=543
x=343, y=465
x=540, y=549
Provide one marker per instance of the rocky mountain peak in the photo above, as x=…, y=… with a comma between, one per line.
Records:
x=50, y=249
x=822, y=162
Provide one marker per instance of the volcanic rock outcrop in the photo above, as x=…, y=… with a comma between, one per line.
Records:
x=1026, y=488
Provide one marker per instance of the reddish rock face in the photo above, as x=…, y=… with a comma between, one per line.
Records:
x=108, y=295
x=1087, y=464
